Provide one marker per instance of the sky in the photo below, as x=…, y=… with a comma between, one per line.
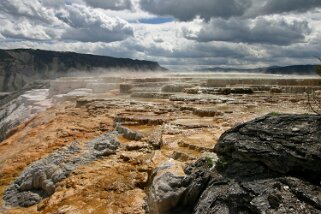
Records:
x=179, y=34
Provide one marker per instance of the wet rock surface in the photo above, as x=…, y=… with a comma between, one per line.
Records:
x=259, y=170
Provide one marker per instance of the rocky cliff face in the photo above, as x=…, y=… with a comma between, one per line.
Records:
x=269, y=165
x=21, y=66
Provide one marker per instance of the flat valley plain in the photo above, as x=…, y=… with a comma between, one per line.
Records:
x=159, y=124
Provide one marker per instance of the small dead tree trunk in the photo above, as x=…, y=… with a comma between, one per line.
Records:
x=314, y=97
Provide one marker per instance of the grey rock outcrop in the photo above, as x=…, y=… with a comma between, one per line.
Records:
x=128, y=133
x=268, y=165
x=105, y=145
x=39, y=179
x=169, y=193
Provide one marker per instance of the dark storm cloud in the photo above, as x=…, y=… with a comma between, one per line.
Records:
x=261, y=30
x=281, y=6
x=112, y=5
x=185, y=10
x=188, y=9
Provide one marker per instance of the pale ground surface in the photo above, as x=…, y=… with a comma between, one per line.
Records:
x=116, y=183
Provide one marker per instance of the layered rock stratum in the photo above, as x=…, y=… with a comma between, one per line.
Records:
x=172, y=143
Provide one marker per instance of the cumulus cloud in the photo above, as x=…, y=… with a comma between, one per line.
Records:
x=32, y=10
x=112, y=5
x=189, y=9
x=55, y=20
x=88, y=25
x=25, y=30
x=261, y=30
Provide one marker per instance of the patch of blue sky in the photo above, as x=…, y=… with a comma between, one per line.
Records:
x=156, y=20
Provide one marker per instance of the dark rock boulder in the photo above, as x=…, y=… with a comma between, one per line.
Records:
x=283, y=143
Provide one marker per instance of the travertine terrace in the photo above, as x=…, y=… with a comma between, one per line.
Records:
x=118, y=134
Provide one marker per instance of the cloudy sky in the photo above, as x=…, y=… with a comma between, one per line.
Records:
x=179, y=34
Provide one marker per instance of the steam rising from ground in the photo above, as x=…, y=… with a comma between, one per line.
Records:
x=130, y=73
x=117, y=72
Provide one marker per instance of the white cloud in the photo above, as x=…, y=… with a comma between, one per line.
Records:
x=25, y=30
x=90, y=25
x=45, y=20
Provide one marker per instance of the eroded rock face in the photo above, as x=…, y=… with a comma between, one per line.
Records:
x=128, y=133
x=171, y=193
x=269, y=165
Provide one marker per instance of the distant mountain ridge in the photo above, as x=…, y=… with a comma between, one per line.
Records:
x=292, y=69
x=19, y=67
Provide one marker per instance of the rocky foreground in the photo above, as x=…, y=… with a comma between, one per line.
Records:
x=268, y=165
x=171, y=144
